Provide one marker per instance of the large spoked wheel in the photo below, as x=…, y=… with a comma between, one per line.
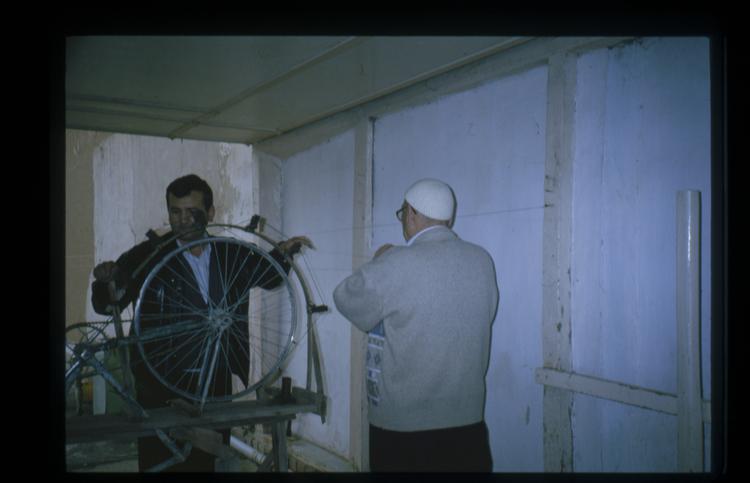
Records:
x=219, y=340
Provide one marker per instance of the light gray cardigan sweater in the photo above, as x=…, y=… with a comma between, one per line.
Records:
x=436, y=299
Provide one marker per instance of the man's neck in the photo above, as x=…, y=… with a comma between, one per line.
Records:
x=196, y=250
x=424, y=229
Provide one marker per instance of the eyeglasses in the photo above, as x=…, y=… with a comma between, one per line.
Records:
x=400, y=213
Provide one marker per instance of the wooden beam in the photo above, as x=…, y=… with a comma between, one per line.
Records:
x=361, y=236
x=280, y=456
x=219, y=415
x=556, y=258
x=615, y=391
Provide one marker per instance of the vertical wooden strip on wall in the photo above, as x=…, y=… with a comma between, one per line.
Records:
x=361, y=237
x=556, y=284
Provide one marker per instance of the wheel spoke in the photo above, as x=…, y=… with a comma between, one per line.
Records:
x=231, y=284
x=209, y=363
x=248, y=286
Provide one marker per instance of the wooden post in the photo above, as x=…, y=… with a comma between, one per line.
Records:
x=556, y=260
x=362, y=233
x=689, y=394
x=280, y=456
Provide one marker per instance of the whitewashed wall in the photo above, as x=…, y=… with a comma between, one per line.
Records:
x=130, y=175
x=642, y=132
x=79, y=219
x=488, y=144
x=317, y=200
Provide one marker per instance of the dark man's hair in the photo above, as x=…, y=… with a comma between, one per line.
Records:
x=182, y=187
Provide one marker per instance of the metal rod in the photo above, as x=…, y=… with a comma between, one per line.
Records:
x=689, y=398
x=134, y=408
x=123, y=353
x=247, y=450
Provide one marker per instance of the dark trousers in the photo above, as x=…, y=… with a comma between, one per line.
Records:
x=463, y=449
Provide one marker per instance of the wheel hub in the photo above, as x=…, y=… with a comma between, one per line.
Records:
x=219, y=319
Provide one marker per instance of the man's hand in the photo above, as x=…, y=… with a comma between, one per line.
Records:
x=293, y=245
x=105, y=271
x=382, y=250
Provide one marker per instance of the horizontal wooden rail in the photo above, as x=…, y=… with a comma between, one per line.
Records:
x=81, y=429
x=614, y=391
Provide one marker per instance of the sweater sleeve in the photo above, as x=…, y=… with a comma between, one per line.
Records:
x=357, y=299
x=270, y=278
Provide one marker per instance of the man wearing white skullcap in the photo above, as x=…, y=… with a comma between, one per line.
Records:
x=428, y=308
x=432, y=198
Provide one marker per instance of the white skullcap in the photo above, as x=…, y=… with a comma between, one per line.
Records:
x=432, y=198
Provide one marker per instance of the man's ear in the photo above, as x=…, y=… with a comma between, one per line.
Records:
x=211, y=212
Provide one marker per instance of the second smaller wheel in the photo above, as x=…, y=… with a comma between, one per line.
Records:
x=89, y=333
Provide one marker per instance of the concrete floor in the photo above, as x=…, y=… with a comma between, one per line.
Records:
x=102, y=456
x=116, y=457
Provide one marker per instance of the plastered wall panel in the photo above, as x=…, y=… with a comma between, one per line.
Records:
x=642, y=132
x=621, y=438
x=489, y=145
x=79, y=220
x=317, y=200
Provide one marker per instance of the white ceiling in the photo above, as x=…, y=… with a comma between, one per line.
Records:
x=246, y=89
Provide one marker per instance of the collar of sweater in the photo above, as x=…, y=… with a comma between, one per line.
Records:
x=433, y=230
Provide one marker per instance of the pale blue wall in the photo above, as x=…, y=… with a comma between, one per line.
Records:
x=642, y=127
x=488, y=144
x=317, y=200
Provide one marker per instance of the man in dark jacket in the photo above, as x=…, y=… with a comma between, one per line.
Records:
x=186, y=284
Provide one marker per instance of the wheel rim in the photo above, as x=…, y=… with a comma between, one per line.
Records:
x=193, y=338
